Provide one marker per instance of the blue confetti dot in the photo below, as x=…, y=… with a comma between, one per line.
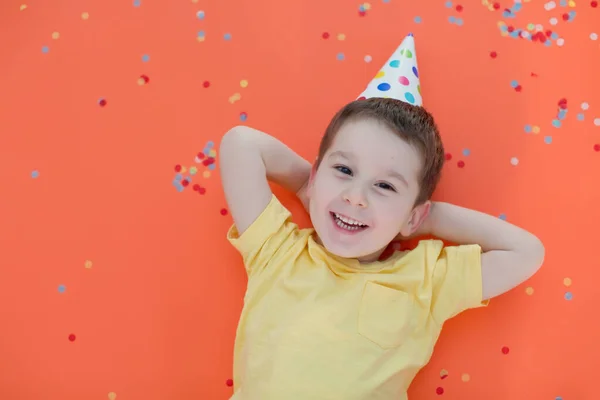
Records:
x=35, y=174
x=178, y=186
x=466, y=152
x=417, y=20
x=547, y=43
x=201, y=34
x=145, y=58
x=178, y=177
x=361, y=8
x=568, y=296
x=200, y=14
x=562, y=114
x=448, y=4
x=227, y=36
x=386, y=1
x=556, y=123
x=517, y=7
x=548, y=139
x=502, y=217
x=451, y=19
x=384, y=87
x=504, y=28
x=409, y=97
x=580, y=117
x=211, y=167
x=45, y=49
x=459, y=21
x=243, y=116
x=340, y=56
x=507, y=14
x=137, y=3
x=554, y=36
x=514, y=84
x=395, y=63
x=61, y=288
x=206, y=150
x=210, y=144
x=527, y=128
x=559, y=398
x=563, y=3
x=572, y=15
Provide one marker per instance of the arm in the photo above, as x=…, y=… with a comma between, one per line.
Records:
x=248, y=160
x=510, y=256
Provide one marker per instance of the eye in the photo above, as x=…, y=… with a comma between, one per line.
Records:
x=386, y=186
x=343, y=169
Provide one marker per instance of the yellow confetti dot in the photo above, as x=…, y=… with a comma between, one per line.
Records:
x=206, y=174
x=235, y=97
x=443, y=373
x=112, y=396
x=567, y=282
x=501, y=24
x=530, y=27
x=244, y=83
x=200, y=38
x=504, y=33
x=55, y=35
x=341, y=36
x=367, y=6
x=183, y=170
x=141, y=81
x=529, y=290
x=88, y=264
x=572, y=3
x=85, y=15
x=212, y=153
x=194, y=1
x=536, y=129
x=465, y=377
x=23, y=6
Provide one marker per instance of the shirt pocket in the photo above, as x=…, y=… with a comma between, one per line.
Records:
x=385, y=315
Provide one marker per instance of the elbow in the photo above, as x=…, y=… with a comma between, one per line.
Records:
x=536, y=253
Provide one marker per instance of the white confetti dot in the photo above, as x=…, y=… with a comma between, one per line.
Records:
x=594, y=36
x=368, y=58
x=514, y=161
x=560, y=42
x=550, y=5
x=539, y=28
x=524, y=34
x=585, y=106
x=553, y=21
x=597, y=121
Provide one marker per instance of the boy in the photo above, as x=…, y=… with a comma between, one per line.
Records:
x=324, y=317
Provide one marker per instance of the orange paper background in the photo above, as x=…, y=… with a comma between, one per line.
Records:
x=154, y=311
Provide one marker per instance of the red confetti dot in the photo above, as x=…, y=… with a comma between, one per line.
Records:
x=72, y=337
x=206, y=84
x=518, y=88
x=542, y=37
x=597, y=147
x=594, y=4
x=177, y=168
x=505, y=350
x=493, y=54
x=439, y=390
x=145, y=78
x=562, y=101
x=362, y=98
x=196, y=187
x=201, y=155
x=223, y=211
x=229, y=382
x=533, y=74
x=511, y=28
x=102, y=102
x=443, y=376
x=460, y=164
x=208, y=161
x=362, y=13
x=459, y=8
x=496, y=6
x=325, y=35
x=548, y=33
x=201, y=190
x=185, y=182
x=448, y=156
x=565, y=17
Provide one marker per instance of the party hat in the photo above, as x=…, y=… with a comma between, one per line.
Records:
x=399, y=77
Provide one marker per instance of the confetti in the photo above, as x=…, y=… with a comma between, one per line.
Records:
x=145, y=58
x=137, y=3
x=229, y=382
x=55, y=35
x=235, y=97
x=443, y=374
x=529, y=290
x=505, y=350
x=569, y=296
x=502, y=217
x=72, y=337
x=35, y=174
x=340, y=56
x=548, y=139
x=23, y=7
x=200, y=14
x=243, y=116
x=597, y=147
x=341, y=37
x=418, y=20
x=85, y=15
x=112, y=396
x=87, y=264
x=597, y=121
x=460, y=164
x=142, y=80
x=466, y=152
x=224, y=211
x=567, y=282
x=206, y=84
x=102, y=102
x=493, y=54
x=325, y=35
x=368, y=58
x=227, y=36
x=514, y=161
x=61, y=288
x=465, y=377
x=45, y=49
x=439, y=390
x=594, y=36
x=244, y=83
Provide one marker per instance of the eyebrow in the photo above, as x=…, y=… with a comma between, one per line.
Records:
x=349, y=156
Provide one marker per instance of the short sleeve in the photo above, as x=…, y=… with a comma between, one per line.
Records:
x=457, y=282
x=269, y=232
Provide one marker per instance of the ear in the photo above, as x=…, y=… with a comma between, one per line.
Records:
x=415, y=223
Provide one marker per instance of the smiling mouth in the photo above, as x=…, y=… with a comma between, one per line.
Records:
x=347, y=224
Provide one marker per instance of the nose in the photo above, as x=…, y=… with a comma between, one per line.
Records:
x=355, y=197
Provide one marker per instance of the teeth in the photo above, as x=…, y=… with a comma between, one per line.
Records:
x=349, y=221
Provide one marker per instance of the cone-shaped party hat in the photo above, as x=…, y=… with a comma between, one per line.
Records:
x=399, y=77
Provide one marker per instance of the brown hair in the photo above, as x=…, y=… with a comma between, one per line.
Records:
x=412, y=124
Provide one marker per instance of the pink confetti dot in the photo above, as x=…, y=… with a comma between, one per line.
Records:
x=229, y=382
x=439, y=390
x=505, y=350
x=403, y=80
x=224, y=211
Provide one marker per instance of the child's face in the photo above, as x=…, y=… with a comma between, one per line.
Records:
x=362, y=194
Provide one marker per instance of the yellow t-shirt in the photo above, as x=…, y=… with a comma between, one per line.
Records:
x=315, y=326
